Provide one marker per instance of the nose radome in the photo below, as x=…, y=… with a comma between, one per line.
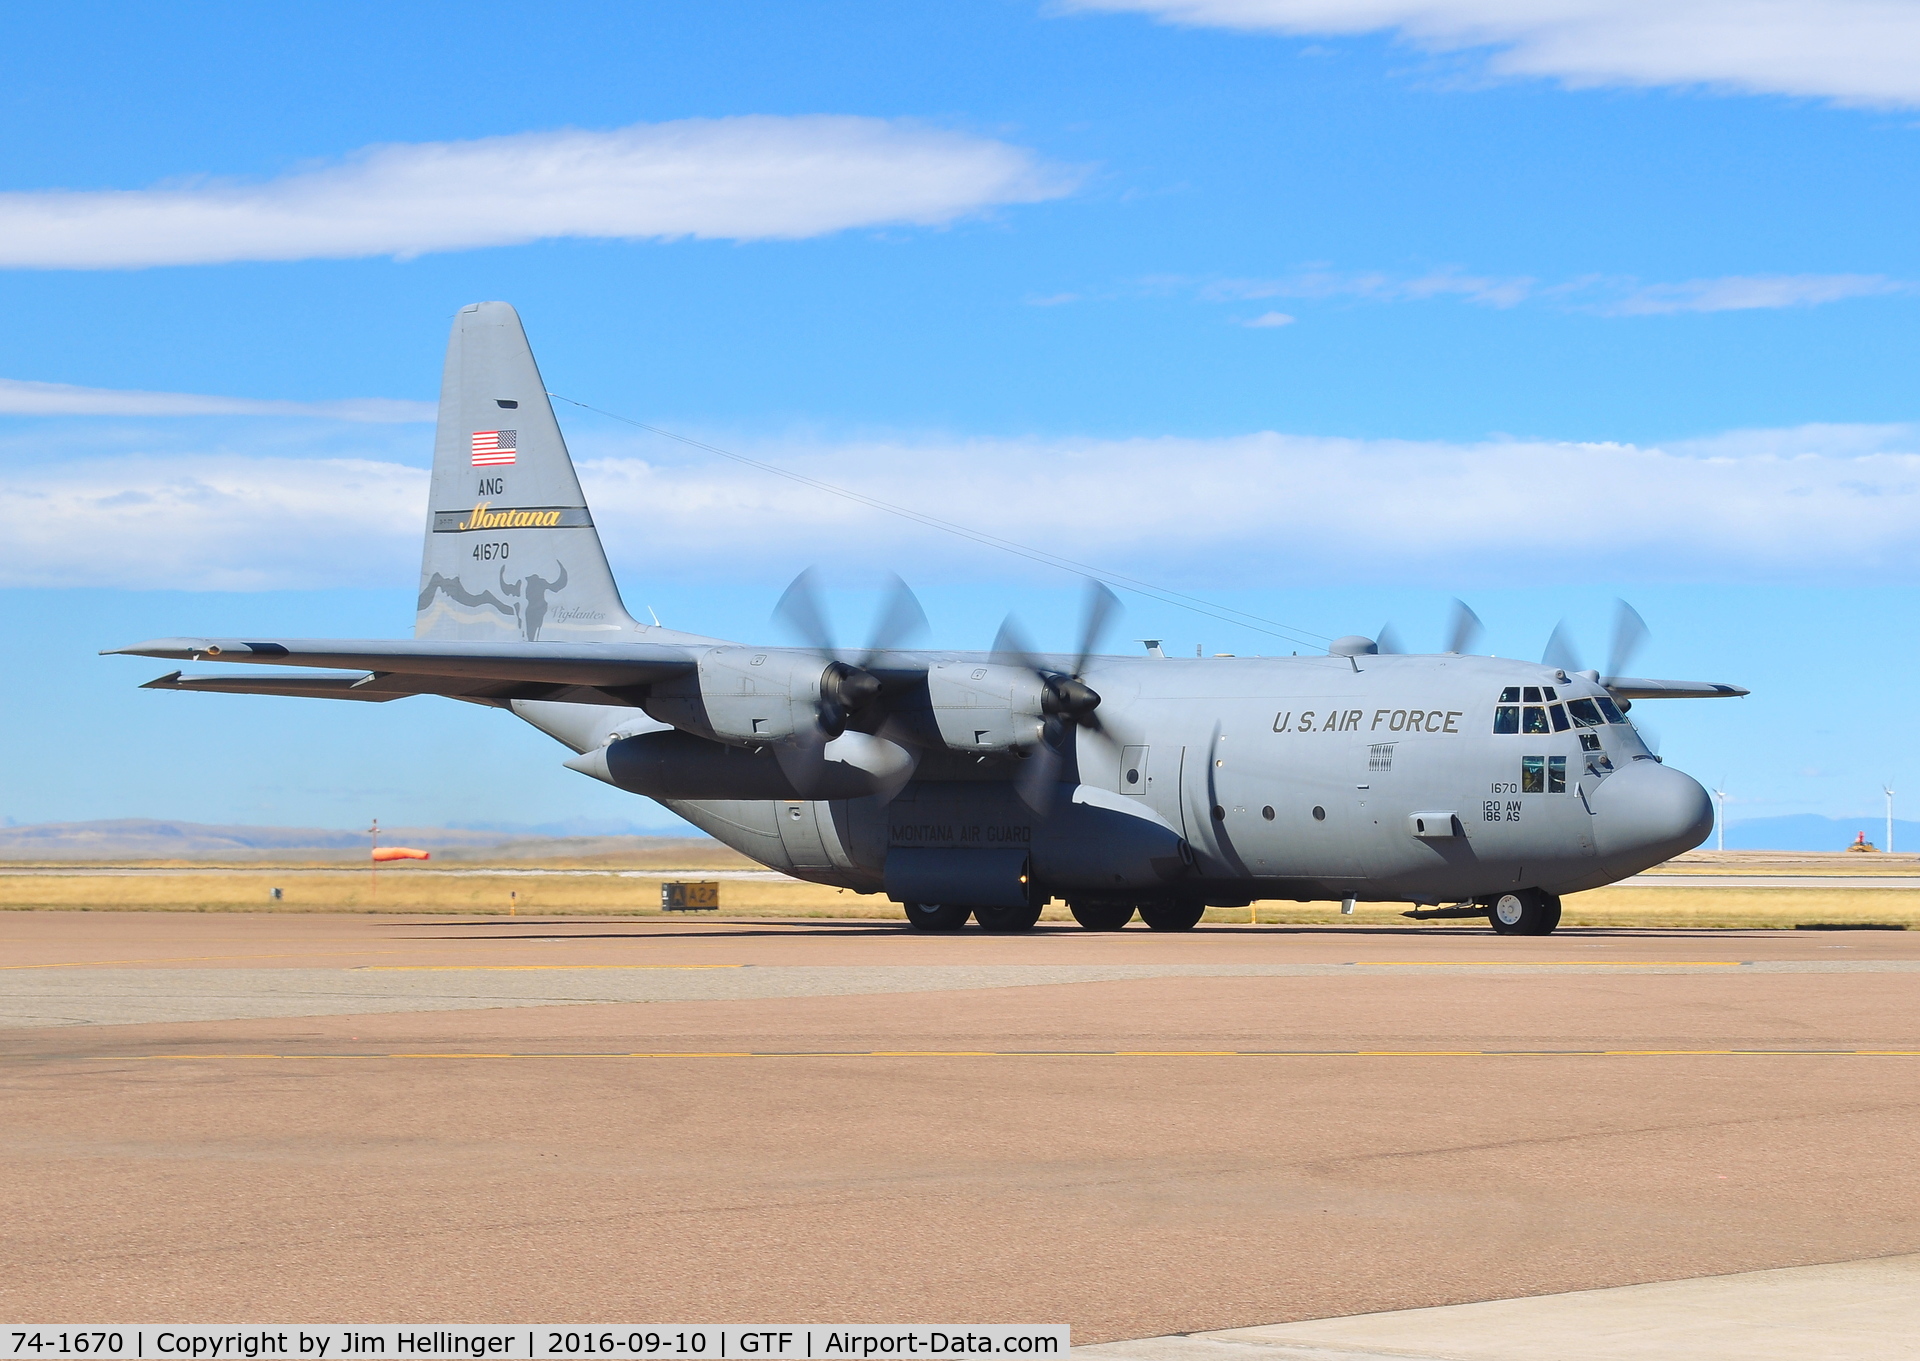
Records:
x=1651, y=811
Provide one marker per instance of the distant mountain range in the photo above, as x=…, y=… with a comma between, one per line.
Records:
x=155, y=839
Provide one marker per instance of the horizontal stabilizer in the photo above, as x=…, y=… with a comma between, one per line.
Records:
x=583, y=664
x=302, y=687
x=1637, y=687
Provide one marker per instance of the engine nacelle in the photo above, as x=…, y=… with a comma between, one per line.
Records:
x=679, y=765
x=751, y=697
x=986, y=708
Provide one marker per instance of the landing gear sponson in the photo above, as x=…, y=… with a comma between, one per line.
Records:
x=1525, y=912
x=1181, y=915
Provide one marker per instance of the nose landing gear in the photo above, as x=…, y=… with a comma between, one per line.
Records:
x=1524, y=912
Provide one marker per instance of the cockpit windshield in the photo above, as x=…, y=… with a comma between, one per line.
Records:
x=1539, y=709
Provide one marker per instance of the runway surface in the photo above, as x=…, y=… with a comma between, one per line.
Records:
x=210, y=1118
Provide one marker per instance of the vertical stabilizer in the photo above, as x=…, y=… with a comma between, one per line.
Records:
x=511, y=550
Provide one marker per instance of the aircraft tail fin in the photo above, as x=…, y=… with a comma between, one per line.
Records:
x=511, y=551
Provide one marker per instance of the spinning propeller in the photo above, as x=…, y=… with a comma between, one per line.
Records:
x=1067, y=701
x=1629, y=633
x=845, y=688
x=1463, y=632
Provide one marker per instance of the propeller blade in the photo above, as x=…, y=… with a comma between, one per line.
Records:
x=1010, y=647
x=1560, y=651
x=1389, y=641
x=1629, y=632
x=1102, y=605
x=801, y=611
x=804, y=763
x=1465, y=630
x=901, y=620
x=887, y=790
x=1039, y=774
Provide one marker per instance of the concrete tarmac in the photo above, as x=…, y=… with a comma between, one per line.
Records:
x=1140, y=1134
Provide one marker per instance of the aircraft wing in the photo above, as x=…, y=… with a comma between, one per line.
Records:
x=487, y=673
x=1638, y=687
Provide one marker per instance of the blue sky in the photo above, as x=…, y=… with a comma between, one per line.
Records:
x=1328, y=310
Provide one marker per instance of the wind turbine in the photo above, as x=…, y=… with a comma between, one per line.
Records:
x=1720, y=823
x=1887, y=789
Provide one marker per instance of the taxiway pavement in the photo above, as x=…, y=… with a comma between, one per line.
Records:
x=487, y=1119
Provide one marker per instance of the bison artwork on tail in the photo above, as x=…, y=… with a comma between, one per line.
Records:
x=531, y=593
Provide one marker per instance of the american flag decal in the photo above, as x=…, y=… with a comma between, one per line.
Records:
x=494, y=447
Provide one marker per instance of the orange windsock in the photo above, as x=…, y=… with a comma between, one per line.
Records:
x=399, y=853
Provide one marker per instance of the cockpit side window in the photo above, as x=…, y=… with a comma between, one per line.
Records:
x=1610, y=709
x=1559, y=716
x=1584, y=713
x=1506, y=718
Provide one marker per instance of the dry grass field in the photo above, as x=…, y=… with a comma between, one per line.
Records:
x=622, y=884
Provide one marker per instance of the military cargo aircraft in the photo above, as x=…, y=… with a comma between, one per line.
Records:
x=984, y=785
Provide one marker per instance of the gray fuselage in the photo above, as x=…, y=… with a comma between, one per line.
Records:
x=1375, y=777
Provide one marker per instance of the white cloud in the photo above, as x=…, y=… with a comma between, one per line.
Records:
x=20, y=398
x=1268, y=319
x=743, y=179
x=217, y=523
x=1816, y=505
x=1607, y=295
x=1376, y=286
x=1740, y=293
x=1849, y=51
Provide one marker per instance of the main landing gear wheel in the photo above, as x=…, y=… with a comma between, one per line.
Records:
x=1529, y=912
x=937, y=916
x=1172, y=916
x=1102, y=916
x=1006, y=920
